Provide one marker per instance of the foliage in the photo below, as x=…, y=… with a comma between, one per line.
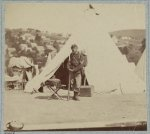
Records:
x=32, y=43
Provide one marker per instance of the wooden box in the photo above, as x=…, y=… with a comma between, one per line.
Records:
x=87, y=91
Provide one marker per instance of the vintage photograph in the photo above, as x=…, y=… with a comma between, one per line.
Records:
x=75, y=66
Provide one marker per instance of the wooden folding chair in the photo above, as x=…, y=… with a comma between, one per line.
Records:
x=51, y=83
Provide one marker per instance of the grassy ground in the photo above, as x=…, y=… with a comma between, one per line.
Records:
x=36, y=109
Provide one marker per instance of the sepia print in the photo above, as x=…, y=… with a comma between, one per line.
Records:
x=75, y=66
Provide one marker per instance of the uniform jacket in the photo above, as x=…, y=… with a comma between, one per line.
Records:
x=76, y=62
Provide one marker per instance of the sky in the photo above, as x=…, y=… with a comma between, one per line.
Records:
x=64, y=17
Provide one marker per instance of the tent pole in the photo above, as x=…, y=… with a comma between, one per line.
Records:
x=84, y=83
x=69, y=84
x=69, y=88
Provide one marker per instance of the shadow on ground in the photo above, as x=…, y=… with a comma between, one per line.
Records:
x=49, y=97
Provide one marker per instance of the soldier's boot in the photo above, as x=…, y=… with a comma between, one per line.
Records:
x=76, y=96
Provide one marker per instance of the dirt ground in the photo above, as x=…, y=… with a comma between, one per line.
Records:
x=37, y=109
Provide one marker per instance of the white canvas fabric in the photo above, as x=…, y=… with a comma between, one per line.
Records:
x=9, y=78
x=49, y=69
x=140, y=69
x=107, y=69
x=49, y=58
x=21, y=62
x=29, y=75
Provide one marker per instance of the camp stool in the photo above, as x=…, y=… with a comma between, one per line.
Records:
x=51, y=83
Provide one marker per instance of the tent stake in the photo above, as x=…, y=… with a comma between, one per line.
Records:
x=120, y=88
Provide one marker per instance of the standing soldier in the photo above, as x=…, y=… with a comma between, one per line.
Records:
x=75, y=66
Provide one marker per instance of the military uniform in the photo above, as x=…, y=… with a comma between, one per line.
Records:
x=76, y=64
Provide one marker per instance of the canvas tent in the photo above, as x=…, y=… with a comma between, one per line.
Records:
x=20, y=66
x=21, y=62
x=9, y=78
x=140, y=69
x=107, y=69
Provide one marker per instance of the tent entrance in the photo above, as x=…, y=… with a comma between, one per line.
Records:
x=63, y=74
